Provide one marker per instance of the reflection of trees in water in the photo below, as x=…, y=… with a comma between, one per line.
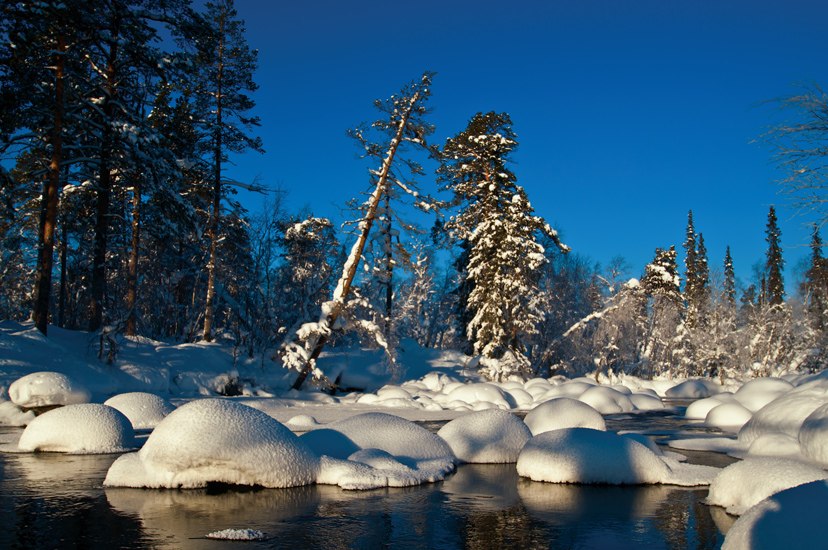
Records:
x=687, y=523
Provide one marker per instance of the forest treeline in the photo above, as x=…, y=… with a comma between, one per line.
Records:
x=117, y=217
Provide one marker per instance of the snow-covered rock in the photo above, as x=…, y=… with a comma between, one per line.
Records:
x=144, y=410
x=793, y=518
x=694, y=389
x=583, y=455
x=46, y=389
x=757, y=393
x=746, y=483
x=697, y=410
x=607, y=400
x=783, y=415
x=302, y=423
x=481, y=392
x=813, y=436
x=217, y=440
x=492, y=436
x=728, y=417
x=646, y=401
x=563, y=412
x=87, y=428
x=411, y=454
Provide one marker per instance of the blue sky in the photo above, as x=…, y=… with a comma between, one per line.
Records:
x=629, y=113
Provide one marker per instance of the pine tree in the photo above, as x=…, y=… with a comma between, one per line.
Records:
x=702, y=285
x=502, y=231
x=661, y=283
x=774, y=264
x=690, y=270
x=815, y=287
x=224, y=66
x=729, y=280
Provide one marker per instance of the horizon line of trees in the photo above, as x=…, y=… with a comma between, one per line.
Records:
x=117, y=217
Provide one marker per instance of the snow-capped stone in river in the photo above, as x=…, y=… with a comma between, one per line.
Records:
x=728, y=417
x=757, y=393
x=746, y=483
x=563, y=412
x=583, y=455
x=46, y=389
x=217, y=440
x=87, y=428
x=144, y=410
x=813, y=436
x=693, y=389
x=491, y=436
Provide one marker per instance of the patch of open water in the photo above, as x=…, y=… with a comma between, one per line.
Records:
x=57, y=501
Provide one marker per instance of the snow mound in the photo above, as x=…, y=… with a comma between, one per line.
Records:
x=693, y=389
x=793, y=518
x=87, y=428
x=583, y=455
x=813, y=436
x=728, y=417
x=481, y=392
x=784, y=415
x=237, y=534
x=697, y=410
x=563, y=412
x=646, y=402
x=607, y=400
x=302, y=422
x=744, y=484
x=418, y=455
x=144, y=410
x=773, y=444
x=216, y=440
x=757, y=393
x=46, y=389
x=492, y=436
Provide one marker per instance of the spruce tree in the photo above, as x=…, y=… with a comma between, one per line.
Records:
x=702, y=286
x=815, y=286
x=774, y=288
x=690, y=268
x=499, y=224
x=729, y=284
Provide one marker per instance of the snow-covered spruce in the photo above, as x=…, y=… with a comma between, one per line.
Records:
x=793, y=518
x=746, y=483
x=144, y=410
x=87, y=428
x=216, y=440
x=401, y=452
x=490, y=436
x=46, y=389
x=563, y=412
x=583, y=455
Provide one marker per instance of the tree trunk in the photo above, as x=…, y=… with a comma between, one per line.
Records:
x=207, y=334
x=64, y=245
x=49, y=201
x=343, y=288
x=132, y=268
x=389, y=268
x=104, y=192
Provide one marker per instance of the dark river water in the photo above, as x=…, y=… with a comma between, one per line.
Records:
x=57, y=501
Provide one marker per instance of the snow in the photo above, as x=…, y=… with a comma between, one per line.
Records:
x=813, y=436
x=411, y=455
x=44, y=389
x=87, y=428
x=744, y=484
x=216, y=440
x=607, y=400
x=757, y=393
x=12, y=415
x=563, y=412
x=583, y=455
x=482, y=392
x=728, y=417
x=491, y=436
x=694, y=389
x=237, y=534
x=793, y=518
x=698, y=410
x=144, y=410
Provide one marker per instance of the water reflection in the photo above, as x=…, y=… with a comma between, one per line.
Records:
x=49, y=501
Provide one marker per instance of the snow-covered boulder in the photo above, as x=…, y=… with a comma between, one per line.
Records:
x=582, y=455
x=813, y=436
x=47, y=389
x=757, y=393
x=773, y=444
x=302, y=423
x=697, y=410
x=646, y=401
x=217, y=440
x=481, y=392
x=87, y=428
x=409, y=454
x=746, y=483
x=144, y=410
x=783, y=415
x=492, y=436
x=728, y=417
x=607, y=400
x=793, y=518
x=693, y=389
x=563, y=412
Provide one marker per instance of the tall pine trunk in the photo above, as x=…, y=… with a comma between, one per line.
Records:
x=213, y=230
x=48, y=217
x=343, y=288
x=132, y=268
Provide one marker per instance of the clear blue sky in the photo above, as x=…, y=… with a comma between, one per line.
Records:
x=629, y=113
